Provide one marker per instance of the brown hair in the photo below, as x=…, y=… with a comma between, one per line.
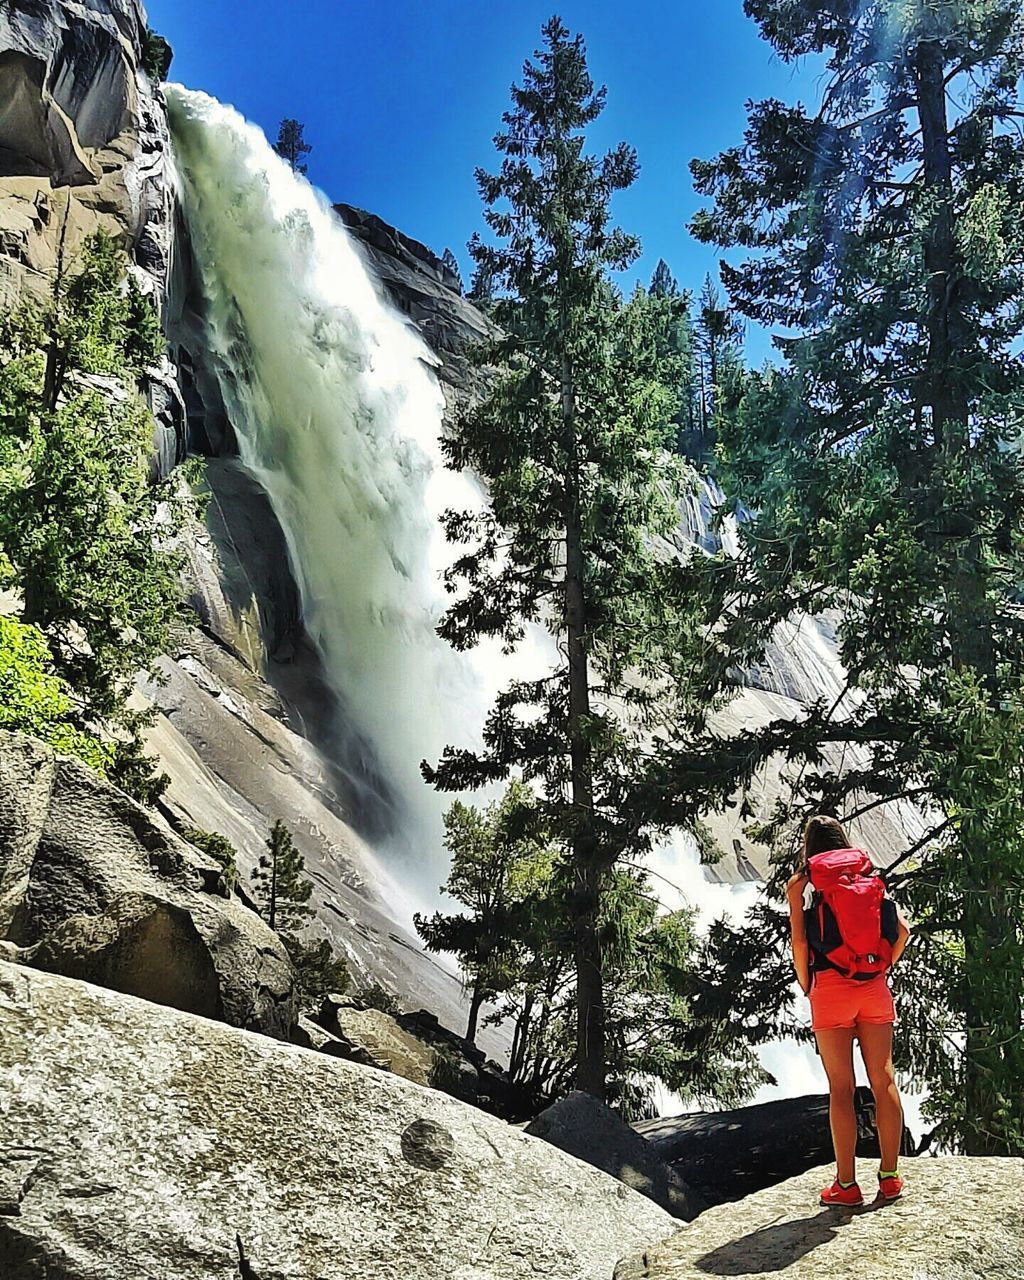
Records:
x=822, y=833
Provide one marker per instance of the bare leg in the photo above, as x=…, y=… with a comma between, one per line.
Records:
x=876, y=1050
x=836, y=1049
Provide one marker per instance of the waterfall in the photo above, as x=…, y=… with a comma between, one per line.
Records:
x=338, y=415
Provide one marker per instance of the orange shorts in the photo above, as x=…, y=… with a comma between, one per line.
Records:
x=842, y=1002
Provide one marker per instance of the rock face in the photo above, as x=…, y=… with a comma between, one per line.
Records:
x=83, y=139
x=84, y=146
x=145, y=1143
x=725, y=1155
x=593, y=1132
x=948, y=1226
x=93, y=886
x=422, y=287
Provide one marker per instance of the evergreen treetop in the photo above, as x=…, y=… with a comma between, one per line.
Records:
x=663, y=282
x=291, y=144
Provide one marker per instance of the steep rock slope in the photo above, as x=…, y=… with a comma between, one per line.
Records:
x=142, y=1142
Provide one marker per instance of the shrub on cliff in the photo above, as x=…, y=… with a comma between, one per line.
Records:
x=35, y=701
x=220, y=849
x=85, y=535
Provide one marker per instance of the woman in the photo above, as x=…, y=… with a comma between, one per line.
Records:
x=845, y=1009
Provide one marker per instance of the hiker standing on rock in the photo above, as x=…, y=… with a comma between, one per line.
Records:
x=846, y=933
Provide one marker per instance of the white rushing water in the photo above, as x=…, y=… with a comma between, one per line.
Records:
x=338, y=415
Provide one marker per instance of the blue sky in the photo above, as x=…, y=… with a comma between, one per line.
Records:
x=401, y=99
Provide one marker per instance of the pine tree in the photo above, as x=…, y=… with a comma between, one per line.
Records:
x=280, y=884
x=663, y=282
x=292, y=146
x=481, y=288
x=493, y=873
x=573, y=442
x=452, y=263
x=717, y=333
x=883, y=461
x=671, y=325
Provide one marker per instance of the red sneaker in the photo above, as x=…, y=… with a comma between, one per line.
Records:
x=890, y=1188
x=848, y=1196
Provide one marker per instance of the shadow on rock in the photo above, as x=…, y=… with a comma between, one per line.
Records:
x=775, y=1247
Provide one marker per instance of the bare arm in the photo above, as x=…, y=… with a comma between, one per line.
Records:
x=798, y=935
x=901, y=937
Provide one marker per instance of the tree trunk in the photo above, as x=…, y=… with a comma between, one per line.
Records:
x=520, y=1039
x=590, y=1019
x=476, y=1000
x=713, y=361
x=272, y=916
x=968, y=619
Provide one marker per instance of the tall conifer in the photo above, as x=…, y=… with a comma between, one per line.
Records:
x=291, y=144
x=573, y=443
x=883, y=460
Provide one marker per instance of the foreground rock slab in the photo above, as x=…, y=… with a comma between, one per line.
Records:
x=138, y=1141
x=960, y=1219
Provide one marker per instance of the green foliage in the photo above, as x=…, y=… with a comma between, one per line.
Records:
x=660, y=325
x=496, y=872
x=659, y=1026
x=515, y=947
x=716, y=339
x=319, y=970
x=292, y=146
x=481, y=288
x=883, y=460
x=574, y=443
x=86, y=537
x=377, y=996
x=35, y=701
x=445, y=1070
x=282, y=891
x=280, y=885
x=156, y=56
x=220, y=849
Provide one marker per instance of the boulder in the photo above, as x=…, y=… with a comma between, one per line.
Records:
x=94, y=886
x=142, y=1142
x=418, y=1047
x=589, y=1130
x=724, y=1155
x=379, y=1037
x=948, y=1226
x=308, y=1034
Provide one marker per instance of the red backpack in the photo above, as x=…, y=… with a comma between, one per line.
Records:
x=851, y=924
